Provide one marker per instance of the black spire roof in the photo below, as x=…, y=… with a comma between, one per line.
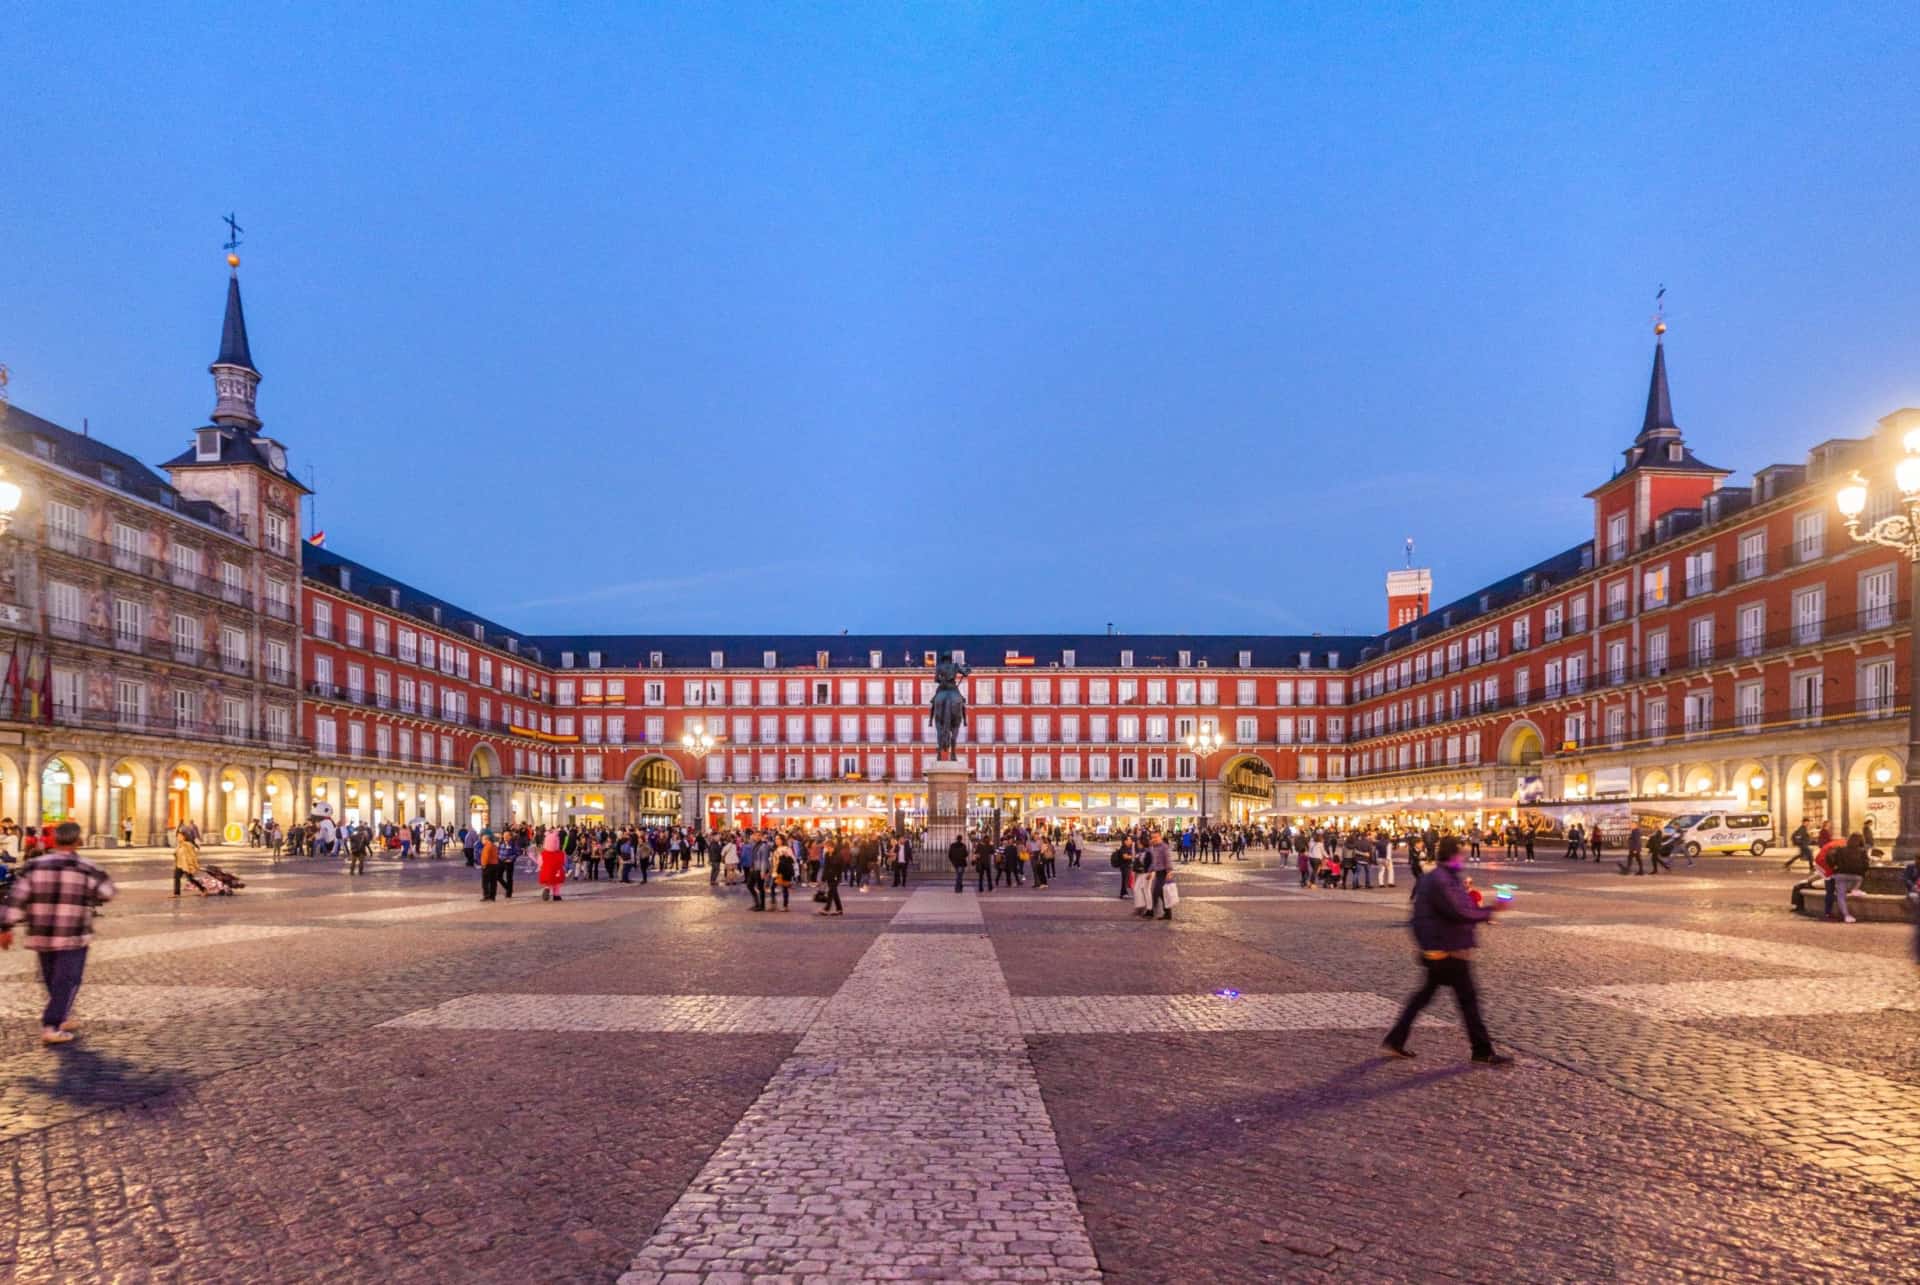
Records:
x=233, y=332
x=1659, y=418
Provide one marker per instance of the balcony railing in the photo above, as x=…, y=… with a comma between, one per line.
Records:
x=168, y=724
x=1837, y=629
x=137, y=563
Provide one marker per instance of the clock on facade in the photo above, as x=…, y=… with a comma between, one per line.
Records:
x=277, y=456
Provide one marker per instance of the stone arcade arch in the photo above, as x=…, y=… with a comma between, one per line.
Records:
x=654, y=793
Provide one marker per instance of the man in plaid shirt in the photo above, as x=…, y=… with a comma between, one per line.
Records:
x=56, y=895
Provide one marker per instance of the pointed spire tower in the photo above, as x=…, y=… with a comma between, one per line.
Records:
x=235, y=381
x=1659, y=418
x=1660, y=475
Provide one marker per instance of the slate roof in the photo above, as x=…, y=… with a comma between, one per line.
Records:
x=237, y=446
x=325, y=567
x=853, y=651
x=233, y=331
x=93, y=458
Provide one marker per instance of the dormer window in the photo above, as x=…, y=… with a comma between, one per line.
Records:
x=1675, y=451
x=656, y=660
x=206, y=444
x=434, y=611
x=873, y=660
x=593, y=660
x=1186, y=660
x=393, y=594
x=769, y=660
x=566, y=660
x=346, y=578
x=715, y=660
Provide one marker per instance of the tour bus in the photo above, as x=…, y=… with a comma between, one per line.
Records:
x=1696, y=832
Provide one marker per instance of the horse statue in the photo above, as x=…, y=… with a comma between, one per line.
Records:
x=949, y=712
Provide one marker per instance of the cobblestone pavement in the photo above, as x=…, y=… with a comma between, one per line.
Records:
x=383, y=1078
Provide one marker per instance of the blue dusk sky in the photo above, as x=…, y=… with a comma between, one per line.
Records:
x=791, y=317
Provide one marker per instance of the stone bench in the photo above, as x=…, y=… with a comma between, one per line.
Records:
x=1882, y=898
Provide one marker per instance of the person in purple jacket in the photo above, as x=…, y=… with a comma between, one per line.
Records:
x=1445, y=920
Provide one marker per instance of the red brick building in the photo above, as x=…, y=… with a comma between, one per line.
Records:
x=1708, y=640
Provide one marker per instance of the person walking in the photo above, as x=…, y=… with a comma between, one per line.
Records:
x=509, y=856
x=1802, y=842
x=186, y=863
x=957, y=858
x=755, y=861
x=1160, y=862
x=783, y=868
x=489, y=866
x=1657, y=850
x=553, y=867
x=55, y=895
x=1445, y=921
x=1383, y=858
x=900, y=857
x=982, y=865
x=1636, y=843
x=833, y=869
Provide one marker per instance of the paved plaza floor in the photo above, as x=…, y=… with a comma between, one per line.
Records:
x=384, y=1078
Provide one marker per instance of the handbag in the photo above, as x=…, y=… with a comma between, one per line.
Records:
x=1142, y=893
x=1170, y=895
x=821, y=896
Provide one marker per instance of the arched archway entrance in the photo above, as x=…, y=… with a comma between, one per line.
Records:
x=1249, y=788
x=653, y=791
x=1522, y=745
x=186, y=795
x=1871, y=797
x=488, y=798
x=129, y=786
x=279, y=804
x=63, y=791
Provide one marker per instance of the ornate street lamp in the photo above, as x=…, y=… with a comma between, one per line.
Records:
x=1898, y=530
x=699, y=745
x=1203, y=744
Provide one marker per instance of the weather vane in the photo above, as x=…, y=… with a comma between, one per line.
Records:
x=1660, y=311
x=233, y=234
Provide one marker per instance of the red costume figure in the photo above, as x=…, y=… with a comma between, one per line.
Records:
x=553, y=866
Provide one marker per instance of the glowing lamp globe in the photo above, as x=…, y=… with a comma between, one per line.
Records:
x=1906, y=474
x=1852, y=500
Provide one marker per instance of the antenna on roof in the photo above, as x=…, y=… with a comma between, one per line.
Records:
x=1409, y=553
x=86, y=429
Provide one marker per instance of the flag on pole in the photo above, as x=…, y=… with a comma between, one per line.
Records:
x=46, y=691
x=12, y=689
x=318, y=539
x=36, y=682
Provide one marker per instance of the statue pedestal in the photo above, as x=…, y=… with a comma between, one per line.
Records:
x=946, y=813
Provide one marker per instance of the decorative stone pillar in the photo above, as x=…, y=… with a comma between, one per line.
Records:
x=30, y=789
x=946, y=813
x=98, y=822
x=161, y=775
